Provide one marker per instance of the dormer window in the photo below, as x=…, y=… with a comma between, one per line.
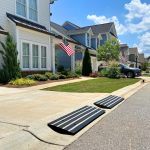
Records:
x=33, y=10
x=27, y=9
x=21, y=8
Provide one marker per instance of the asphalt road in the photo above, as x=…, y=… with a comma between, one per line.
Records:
x=126, y=128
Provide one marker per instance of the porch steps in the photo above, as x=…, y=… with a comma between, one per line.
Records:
x=73, y=122
x=109, y=102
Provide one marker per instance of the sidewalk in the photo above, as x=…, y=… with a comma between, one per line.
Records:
x=6, y=91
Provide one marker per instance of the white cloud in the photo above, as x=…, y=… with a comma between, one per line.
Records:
x=121, y=29
x=138, y=10
x=144, y=43
x=137, y=21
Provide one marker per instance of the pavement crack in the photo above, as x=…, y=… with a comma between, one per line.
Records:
x=14, y=124
x=42, y=139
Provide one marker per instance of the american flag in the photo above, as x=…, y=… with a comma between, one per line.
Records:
x=67, y=49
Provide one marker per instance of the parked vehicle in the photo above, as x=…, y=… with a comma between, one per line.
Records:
x=130, y=72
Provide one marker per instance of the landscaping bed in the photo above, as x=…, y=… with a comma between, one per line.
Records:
x=39, y=79
x=37, y=83
x=98, y=85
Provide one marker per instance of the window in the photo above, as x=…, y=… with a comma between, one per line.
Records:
x=43, y=57
x=98, y=42
x=103, y=40
x=26, y=55
x=21, y=7
x=33, y=10
x=88, y=39
x=35, y=56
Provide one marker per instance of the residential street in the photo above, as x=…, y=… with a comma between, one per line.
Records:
x=126, y=128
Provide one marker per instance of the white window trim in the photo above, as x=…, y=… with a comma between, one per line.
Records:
x=30, y=59
x=36, y=56
x=89, y=40
x=27, y=11
x=22, y=55
x=43, y=57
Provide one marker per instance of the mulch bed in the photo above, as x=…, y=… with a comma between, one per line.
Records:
x=38, y=83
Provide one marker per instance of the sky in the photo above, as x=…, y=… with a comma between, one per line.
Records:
x=131, y=18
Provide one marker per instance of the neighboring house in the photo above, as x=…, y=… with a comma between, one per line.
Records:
x=135, y=59
x=141, y=58
x=28, y=21
x=90, y=37
x=124, y=53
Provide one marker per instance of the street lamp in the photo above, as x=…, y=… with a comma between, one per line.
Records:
x=136, y=57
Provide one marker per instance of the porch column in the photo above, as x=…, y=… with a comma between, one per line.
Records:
x=53, y=56
x=73, y=60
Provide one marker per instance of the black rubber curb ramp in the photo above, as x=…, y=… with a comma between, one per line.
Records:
x=109, y=102
x=73, y=122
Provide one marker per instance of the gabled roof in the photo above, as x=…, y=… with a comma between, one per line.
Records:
x=58, y=28
x=2, y=31
x=61, y=30
x=78, y=31
x=124, y=46
x=72, y=24
x=96, y=29
x=27, y=24
x=101, y=28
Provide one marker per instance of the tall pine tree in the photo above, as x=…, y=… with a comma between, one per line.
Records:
x=10, y=67
x=86, y=67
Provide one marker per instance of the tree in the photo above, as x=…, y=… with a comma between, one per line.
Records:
x=10, y=67
x=109, y=51
x=86, y=67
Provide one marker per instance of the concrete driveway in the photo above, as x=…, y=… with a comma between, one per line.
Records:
x=32, y=109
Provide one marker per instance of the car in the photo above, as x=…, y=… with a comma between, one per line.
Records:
x=130, y=72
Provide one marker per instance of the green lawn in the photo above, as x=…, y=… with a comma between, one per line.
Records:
x=99, y=85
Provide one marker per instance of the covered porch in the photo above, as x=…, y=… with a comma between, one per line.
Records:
x=61, y=59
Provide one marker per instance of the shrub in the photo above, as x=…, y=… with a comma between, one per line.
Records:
x=60, y=68
x=78, y=68
x=22, y=82
x=54, y=77
x=30, y=77
x=87, y=67
x=94, y=75
x=104, y=72
x=10, y=67
x=114, y=70
x=73, y=75
x=147, y=71
x=144, y=66
x=37, y=77
x=48, y=74
x=61, y=76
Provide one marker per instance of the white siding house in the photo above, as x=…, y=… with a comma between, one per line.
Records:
x=28, y=21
